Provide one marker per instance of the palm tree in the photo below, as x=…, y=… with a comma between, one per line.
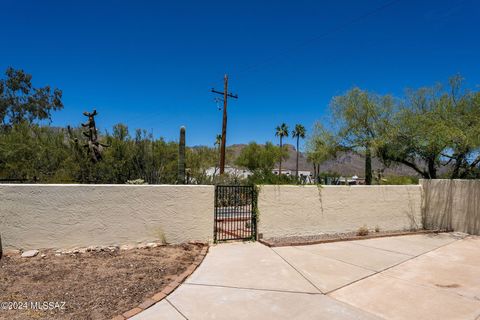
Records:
x=298, y=133
x=281, y=131
x=218, y=140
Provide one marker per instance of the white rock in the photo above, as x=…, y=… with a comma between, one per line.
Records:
x=30, y=253
x=459, y=235
x=151, y=245
x=91, y=248
x=126, y=247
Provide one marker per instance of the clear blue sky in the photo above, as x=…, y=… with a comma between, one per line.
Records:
x=151, y=64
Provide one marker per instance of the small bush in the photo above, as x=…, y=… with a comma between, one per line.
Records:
x=136, y=181
x=362, y=231
x=268, y=177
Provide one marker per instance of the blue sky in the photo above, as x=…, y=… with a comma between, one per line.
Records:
x=151, y=64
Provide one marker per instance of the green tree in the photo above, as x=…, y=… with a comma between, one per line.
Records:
x=281, y=131
x=322, y=145
x=362, y=118
x=465, y=148
x=34, y=153
x=260, y=158
x=218, y=140
x=119, y=155
x=166, y=161
x=436, y=127
x=298, y=133
x=199, y=160
x=20, y=101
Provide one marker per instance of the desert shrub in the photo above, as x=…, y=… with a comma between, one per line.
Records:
x=362, y=231
x=136, y=181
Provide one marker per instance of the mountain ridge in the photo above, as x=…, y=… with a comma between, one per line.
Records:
x=345, y=164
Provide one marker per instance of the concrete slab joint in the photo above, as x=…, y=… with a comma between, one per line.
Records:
x=427, y=276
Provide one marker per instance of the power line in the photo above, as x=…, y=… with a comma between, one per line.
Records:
x=327, y=33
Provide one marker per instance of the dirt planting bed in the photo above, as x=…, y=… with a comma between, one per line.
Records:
x=334, y=237
x=91, y=285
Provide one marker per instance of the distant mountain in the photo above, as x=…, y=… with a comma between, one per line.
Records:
x=345, y=164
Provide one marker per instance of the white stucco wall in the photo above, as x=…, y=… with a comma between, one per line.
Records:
x=63, y=216
x=310, y=210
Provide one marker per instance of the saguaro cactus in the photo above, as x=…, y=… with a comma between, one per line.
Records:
x=181, y=157
x=94, y=147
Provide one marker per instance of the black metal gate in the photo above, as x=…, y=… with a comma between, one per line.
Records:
x=235, y=213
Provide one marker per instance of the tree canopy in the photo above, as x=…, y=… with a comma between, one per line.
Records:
x=20, y=101
x=299, y=131
x=433, y=130
x=362, y=118
x=256, y=157
x=436, y=127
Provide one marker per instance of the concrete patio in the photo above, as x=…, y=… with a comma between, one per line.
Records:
x=409, y=277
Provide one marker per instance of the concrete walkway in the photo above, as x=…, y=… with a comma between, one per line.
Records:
x=408, y=277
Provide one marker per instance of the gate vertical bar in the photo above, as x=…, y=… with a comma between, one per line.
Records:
x=253, y=210
x=242, y=212
x=235, y=206
x=215, y=215
x=229, y=210
x=245, y=212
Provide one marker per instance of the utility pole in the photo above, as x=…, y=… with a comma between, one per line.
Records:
x=226, y=95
